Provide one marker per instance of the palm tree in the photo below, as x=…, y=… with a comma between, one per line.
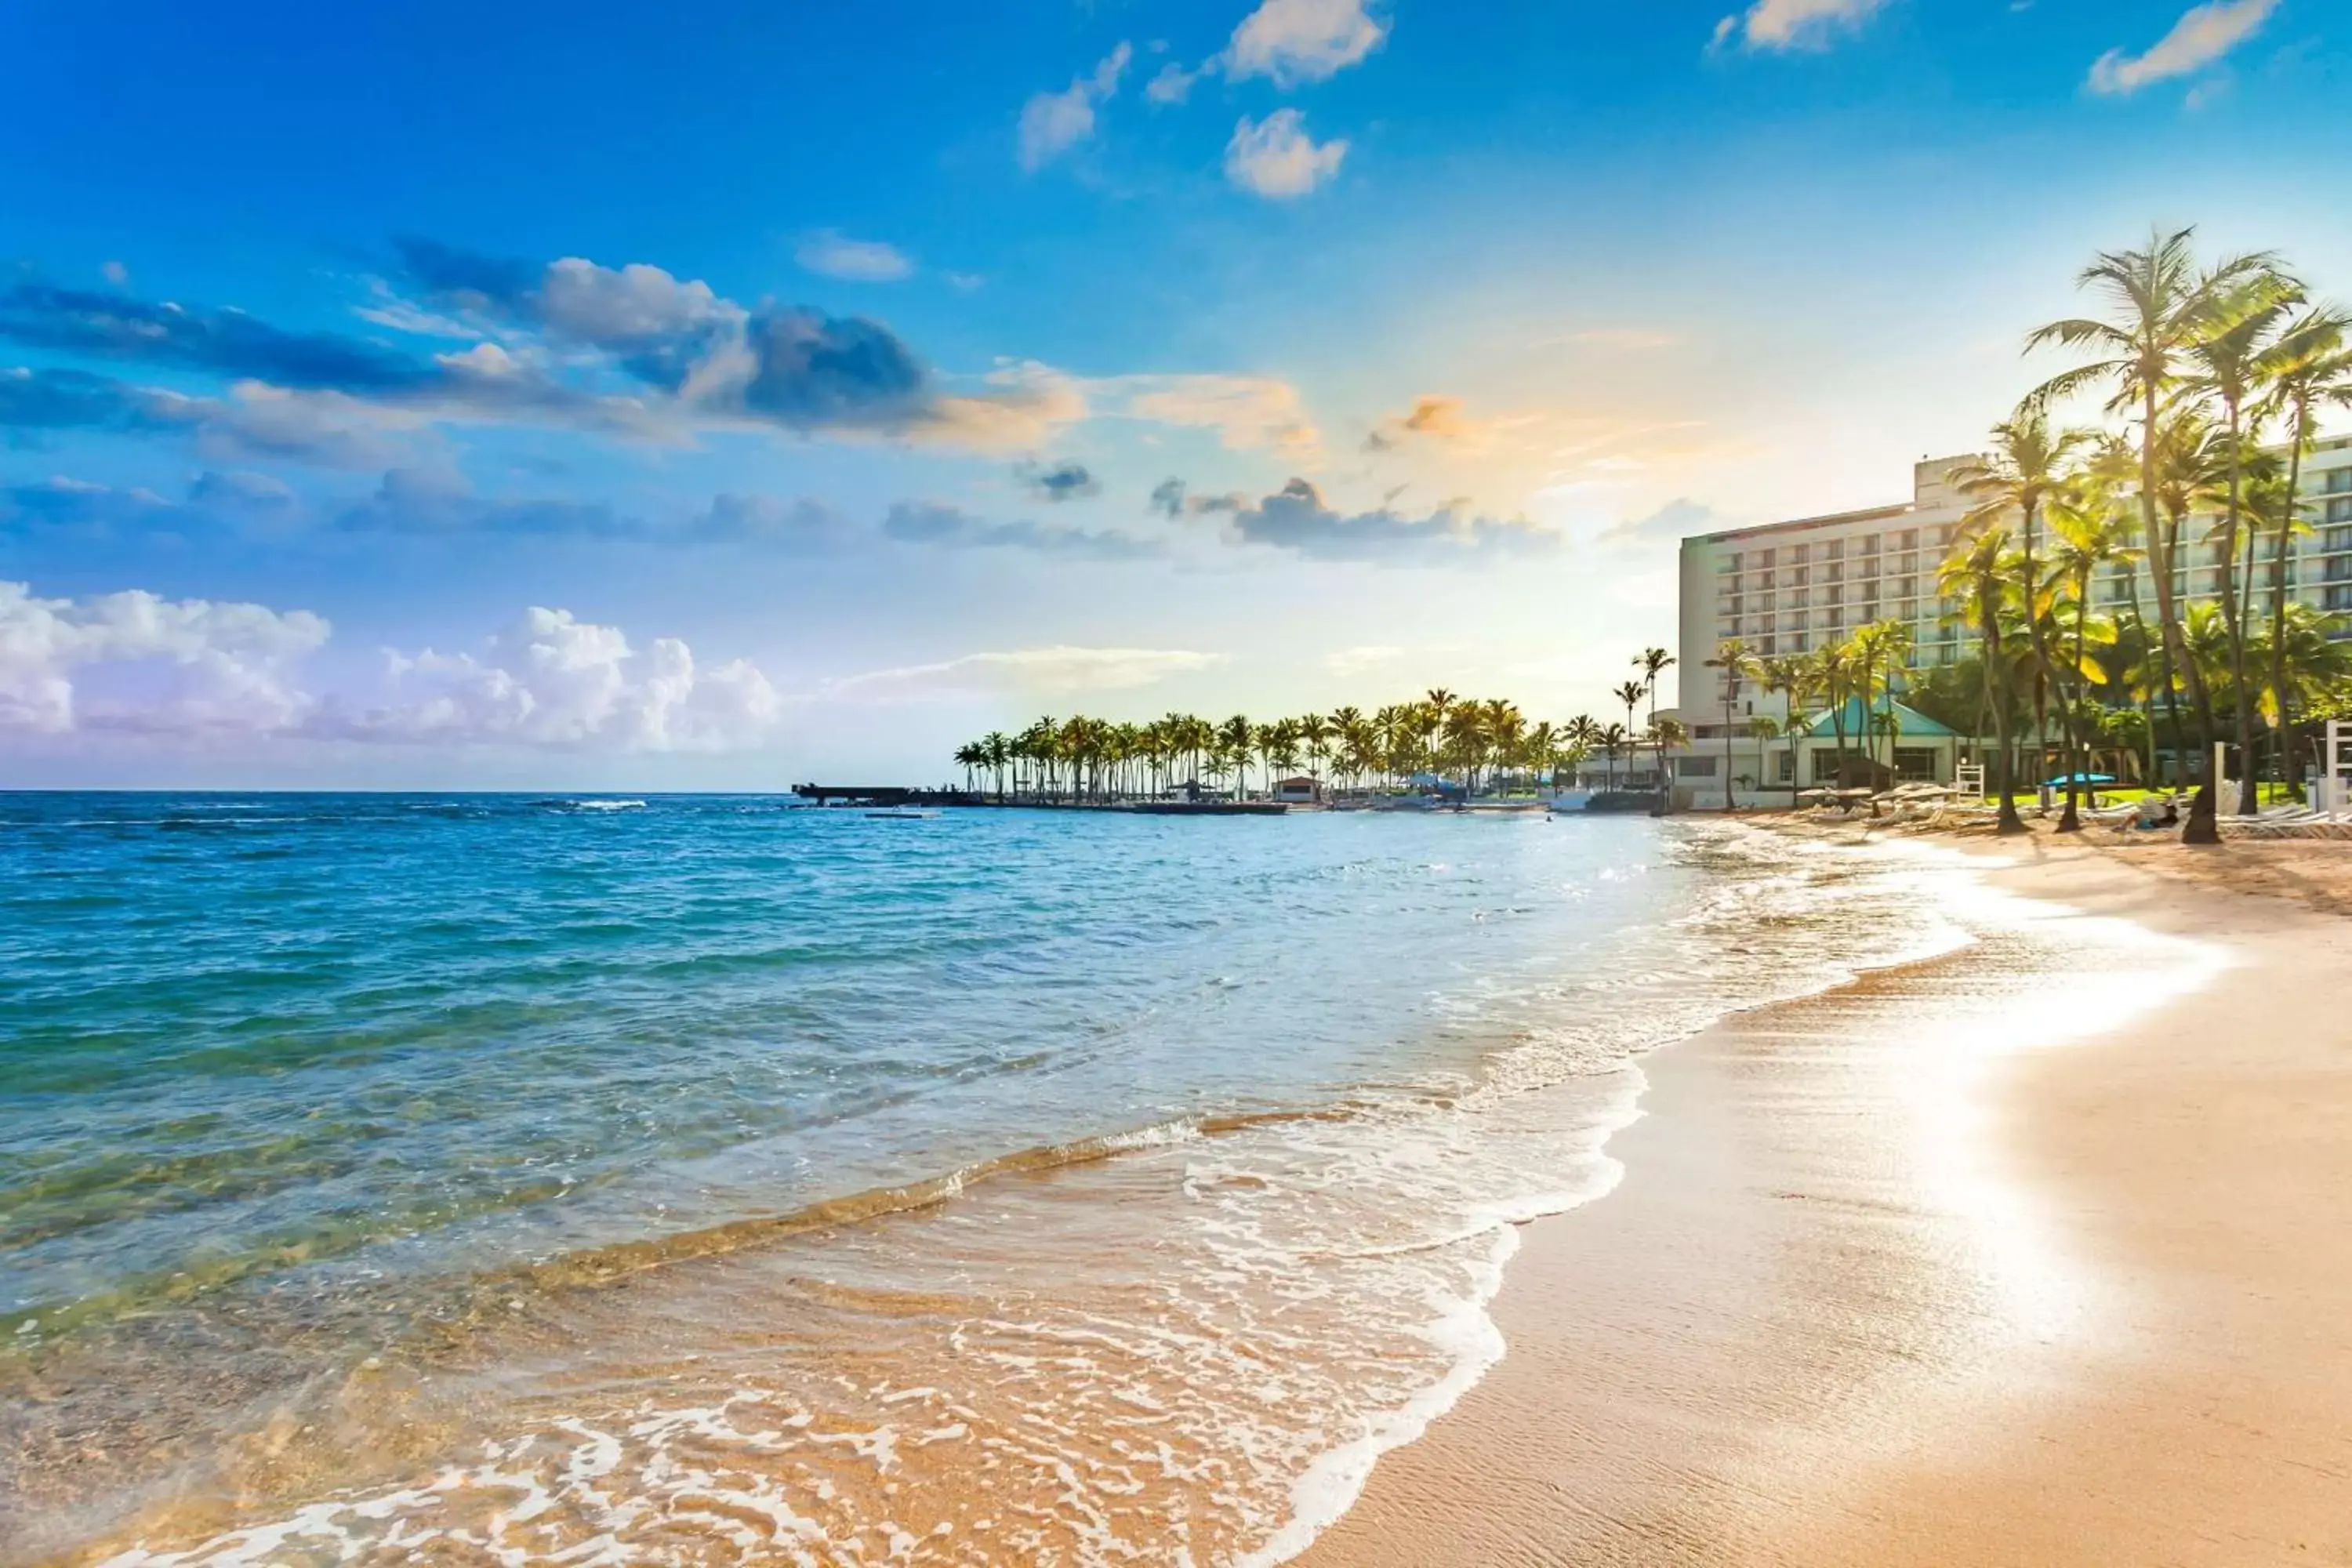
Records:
x=1766, y=729
x=1976, y=576
x=1827, y=671
x=1613, y=740
x=1786, y=674
x=2161, y=305
x=1233, y=739
x=1881, y=649
x=2089, y=540
x=1737, y=662
x=2026, y=473
x=2241, y=321
x=1581, y=735
x=1629, y=694
x=1653, y=662
x=2309, y=368
x=1663, y=735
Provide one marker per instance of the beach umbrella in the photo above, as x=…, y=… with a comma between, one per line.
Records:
x=2063, y=780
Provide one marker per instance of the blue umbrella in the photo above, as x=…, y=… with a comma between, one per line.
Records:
x=2063, y=780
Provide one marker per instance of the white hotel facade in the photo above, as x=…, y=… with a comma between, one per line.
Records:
x=1790, y=587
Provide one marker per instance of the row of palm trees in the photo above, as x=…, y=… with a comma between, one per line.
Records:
x=2216, y=376
x=2208, y=367
x=1479, y=745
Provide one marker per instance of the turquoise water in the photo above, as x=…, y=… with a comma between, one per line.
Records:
x=541, y=1099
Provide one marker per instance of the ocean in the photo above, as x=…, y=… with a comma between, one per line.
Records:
x=683, y=1180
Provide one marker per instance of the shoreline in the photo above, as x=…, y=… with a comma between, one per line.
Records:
x=1761, y=1349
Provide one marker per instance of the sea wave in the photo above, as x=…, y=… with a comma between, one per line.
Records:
x=1188, y=1340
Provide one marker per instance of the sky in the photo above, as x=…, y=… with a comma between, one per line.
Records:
x=732, y=395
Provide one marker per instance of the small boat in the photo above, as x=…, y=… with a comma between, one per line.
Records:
x=902, y=815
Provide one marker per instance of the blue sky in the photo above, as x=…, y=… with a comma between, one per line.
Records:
x=716, y=396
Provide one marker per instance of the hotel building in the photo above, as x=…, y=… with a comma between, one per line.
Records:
x=1790, y=587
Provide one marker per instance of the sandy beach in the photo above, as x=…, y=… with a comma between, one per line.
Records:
x=2018, y=1285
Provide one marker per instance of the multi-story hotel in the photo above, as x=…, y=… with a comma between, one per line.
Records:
x=1789, y=587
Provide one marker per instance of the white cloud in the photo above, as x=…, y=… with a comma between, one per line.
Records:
x=1249, y=413
x=2203, y=36
x=1277, y=159
x=1795, y=24
x=554, y=681
x=1028, y=671
x=595, y=304
x=1349, y=661
x=1173, y=84
x=1295, y=41
x=1053, y=122
x=835, y=254
x=137, y=662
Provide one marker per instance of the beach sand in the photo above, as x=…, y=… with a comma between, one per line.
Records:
x=2080, y=1297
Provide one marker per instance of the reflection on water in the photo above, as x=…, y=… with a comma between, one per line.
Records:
x=490, y=1182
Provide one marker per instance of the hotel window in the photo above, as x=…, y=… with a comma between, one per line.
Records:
x=2340, y=510
x=1801, y=598
x=1768, y=580
x=2339, y=482
x=1837, y=595
x=1770, y=601
x=1833, y=551
x=1764, y=559
x=1800, y=554
x=1870, y=545
x=1837, y=572
x=2339, y=538
x=1910, y=538
x=1802, y=576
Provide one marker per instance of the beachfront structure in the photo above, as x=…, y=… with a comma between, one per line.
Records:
x=1791, y=587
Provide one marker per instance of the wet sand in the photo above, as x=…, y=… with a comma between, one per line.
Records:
x=1871, y=1298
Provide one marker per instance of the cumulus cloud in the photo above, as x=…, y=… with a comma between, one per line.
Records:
x=835, y=254
x=1794, y=24
x=2203, y=36
x=1026, y=672
x=137, y=664
x=937, y=523
x=1053, y=122
x=1277, y=159
x=554, y=681
x=134, y=662
x=1296, y=41
x=1297, y=519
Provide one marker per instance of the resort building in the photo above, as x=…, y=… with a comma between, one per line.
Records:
x=1789, y=587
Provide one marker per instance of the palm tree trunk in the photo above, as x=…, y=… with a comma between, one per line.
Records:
x=2290, y=766
x=2234, y=613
